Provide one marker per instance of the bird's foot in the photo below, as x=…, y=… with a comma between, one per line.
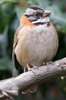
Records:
x=31, y=68
x=47, y=63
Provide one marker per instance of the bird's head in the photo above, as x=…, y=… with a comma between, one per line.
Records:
x=37, y=15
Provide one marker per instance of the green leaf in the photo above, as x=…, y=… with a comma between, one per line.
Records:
x=7, y=1
x=6, y=15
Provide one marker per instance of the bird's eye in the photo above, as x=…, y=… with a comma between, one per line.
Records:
x=37, y=15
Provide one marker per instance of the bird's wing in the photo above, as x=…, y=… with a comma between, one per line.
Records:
x=16, y=63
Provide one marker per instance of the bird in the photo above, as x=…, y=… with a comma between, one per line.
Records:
x=35, y=40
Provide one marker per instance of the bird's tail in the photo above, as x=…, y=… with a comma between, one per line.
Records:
x=31, y=89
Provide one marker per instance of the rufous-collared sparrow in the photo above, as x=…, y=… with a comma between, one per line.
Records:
x=35, y=40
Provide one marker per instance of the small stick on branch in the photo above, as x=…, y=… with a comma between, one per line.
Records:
x=12, y=86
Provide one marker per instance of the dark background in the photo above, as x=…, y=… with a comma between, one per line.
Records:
x=10, y=14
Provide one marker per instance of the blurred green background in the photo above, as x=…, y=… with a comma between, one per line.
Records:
x=10, y=14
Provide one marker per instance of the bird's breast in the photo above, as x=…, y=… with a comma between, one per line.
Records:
x=36, y=45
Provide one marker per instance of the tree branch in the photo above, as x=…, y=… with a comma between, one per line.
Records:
x=12, y=86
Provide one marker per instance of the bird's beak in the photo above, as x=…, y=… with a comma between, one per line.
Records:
x=46, y=13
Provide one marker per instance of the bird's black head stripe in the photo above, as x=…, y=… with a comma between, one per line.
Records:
x=42, y=23
x=28, y=15
x=35, y=8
